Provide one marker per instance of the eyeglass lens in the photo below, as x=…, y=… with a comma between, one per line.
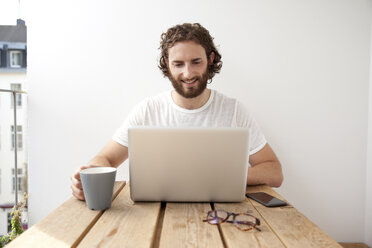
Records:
x=243, y=221
x=217, y=216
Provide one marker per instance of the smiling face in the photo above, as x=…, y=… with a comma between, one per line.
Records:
x=187, y=64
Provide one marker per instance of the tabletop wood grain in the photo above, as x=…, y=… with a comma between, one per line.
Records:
x=126, y=224
x=235, y=238
x=290, y=226
x=183, y=226
x=64, y=227
x=156, y=224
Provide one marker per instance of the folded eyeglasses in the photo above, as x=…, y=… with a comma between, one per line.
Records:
x=242, y=221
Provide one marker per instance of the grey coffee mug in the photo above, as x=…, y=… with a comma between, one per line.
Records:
x=98, y=186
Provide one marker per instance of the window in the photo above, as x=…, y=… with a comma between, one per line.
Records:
x=1, y=54
x=20, y=177
x=15, y=59
x=17, y=87
x=19, y=137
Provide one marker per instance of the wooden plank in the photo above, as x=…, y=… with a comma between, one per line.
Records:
x=183, y=226
x=292, y=227
x=234, y=237
x=125, y=224
x=64, y=227
x=354, y=245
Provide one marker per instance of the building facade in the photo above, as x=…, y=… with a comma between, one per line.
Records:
x=13, y=65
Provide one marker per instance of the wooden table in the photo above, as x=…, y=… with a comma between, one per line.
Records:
x=129, y=224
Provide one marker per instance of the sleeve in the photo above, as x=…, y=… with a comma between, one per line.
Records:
x=135, y=118
x=257, y=139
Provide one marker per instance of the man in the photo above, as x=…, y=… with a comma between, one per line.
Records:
x=189, y=59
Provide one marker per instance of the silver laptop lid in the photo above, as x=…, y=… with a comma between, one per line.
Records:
x=188, y=164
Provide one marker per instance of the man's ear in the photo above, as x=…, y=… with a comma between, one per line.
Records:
x=166, y=61
x=211, y=58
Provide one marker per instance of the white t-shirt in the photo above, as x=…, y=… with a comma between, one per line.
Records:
x=218, y=111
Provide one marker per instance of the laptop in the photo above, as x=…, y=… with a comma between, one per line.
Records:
x=188, y=164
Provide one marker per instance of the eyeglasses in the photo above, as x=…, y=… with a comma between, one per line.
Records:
x=243, y=221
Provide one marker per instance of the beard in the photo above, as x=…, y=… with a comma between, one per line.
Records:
x=190, y=92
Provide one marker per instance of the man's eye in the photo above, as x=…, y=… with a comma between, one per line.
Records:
x=178, y=65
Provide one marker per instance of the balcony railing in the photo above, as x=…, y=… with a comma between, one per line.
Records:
x=14, y=145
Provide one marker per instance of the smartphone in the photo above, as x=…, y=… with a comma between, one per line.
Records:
x=266, y=199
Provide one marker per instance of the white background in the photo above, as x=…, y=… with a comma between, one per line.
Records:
x=302, y=68
x=9, y=12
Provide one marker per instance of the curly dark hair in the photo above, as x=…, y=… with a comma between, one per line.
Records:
x=189, y=32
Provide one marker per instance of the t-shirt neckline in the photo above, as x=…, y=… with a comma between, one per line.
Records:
x=191, y=111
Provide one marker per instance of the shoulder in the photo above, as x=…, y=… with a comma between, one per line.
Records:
x=242, y=114
x=229, y=102
x=223, y=99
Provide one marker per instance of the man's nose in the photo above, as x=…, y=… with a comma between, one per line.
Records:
x=187, y=73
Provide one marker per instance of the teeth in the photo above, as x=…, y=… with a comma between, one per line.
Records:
x=189, y=81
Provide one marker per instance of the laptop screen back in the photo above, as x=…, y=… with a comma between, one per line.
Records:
x=188, y=164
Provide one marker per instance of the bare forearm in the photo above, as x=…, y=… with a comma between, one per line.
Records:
x=100, y=161
x=113, y=154
x=269, y=173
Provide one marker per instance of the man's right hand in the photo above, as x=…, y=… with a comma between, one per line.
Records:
x=113, y=154
x=76, y=186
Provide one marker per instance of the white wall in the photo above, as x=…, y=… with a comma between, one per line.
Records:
x=368, y=213
x=302, y=67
